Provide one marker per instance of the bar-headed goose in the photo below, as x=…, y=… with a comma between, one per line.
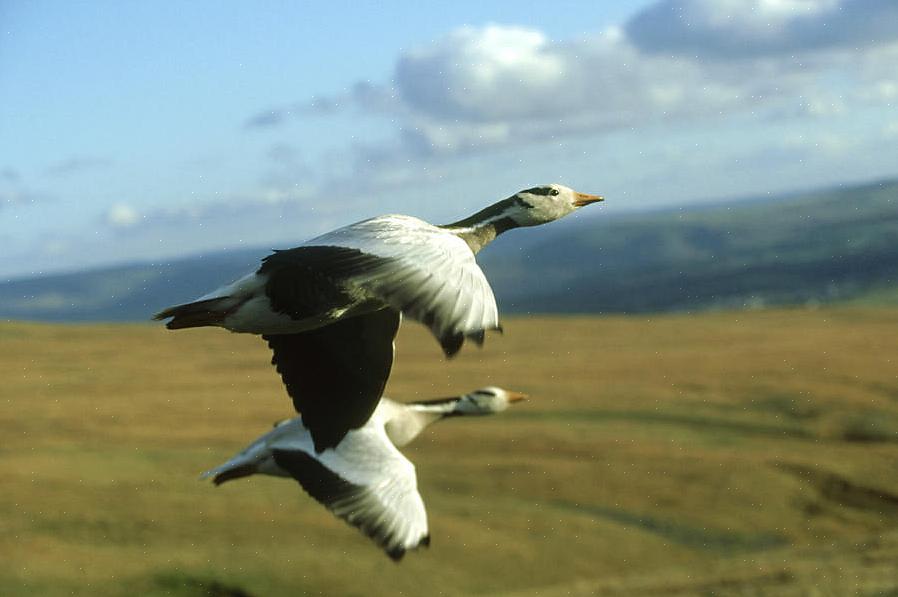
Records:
x=424, y=271
x=364, y=479
x=340, y=448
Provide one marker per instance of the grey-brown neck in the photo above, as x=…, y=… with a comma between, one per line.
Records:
x=482, y=228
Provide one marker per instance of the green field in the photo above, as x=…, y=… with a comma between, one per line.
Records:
x=737, y=453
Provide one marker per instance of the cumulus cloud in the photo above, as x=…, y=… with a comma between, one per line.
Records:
x=751, y=28
x=485, y=74
x=499, y=85
x=676, y=61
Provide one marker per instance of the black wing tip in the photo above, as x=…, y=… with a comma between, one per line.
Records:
x=398, y=552
x=328, y=488
x=451, y=344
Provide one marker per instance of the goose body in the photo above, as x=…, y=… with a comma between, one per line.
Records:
x=426, y=272
x=364, y=479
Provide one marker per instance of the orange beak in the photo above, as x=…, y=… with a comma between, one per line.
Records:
x=517, y=396
x=584, y=199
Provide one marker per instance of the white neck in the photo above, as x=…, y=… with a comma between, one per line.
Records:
x=409, y=420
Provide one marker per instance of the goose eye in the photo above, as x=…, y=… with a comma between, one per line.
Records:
x=553, y=192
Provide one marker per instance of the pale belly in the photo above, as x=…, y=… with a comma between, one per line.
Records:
x=255, y=316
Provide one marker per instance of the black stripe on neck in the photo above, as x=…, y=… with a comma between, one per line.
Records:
x=487, y=213
x=504, y=224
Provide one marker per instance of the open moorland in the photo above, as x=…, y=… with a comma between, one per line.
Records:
x=730, y=453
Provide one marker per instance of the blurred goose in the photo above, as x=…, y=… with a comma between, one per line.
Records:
x=424, y=271
x=364, y=479
x=339, y=449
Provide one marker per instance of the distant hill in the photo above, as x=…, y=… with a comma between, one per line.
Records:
x=822, y=247
x=819, y=247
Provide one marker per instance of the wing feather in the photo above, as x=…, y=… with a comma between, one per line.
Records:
x=424, y=271
x=368, y=483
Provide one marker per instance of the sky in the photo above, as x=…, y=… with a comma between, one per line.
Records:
x=146, y=131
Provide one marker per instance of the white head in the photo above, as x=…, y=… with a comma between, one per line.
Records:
x=545, y=203
x=486, y=401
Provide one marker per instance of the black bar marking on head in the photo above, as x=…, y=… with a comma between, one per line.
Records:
x=539, y=191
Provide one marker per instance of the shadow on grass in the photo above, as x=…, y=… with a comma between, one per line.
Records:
x=792, y=406
x=868, y=427
x=704, y=538
x=844, y=492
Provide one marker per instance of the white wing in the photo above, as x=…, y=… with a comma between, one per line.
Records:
x=368, y=483
x=424, y=271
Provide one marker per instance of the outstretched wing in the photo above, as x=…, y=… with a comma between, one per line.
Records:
x=368, y=483
x=336, y=374
x=421, y=270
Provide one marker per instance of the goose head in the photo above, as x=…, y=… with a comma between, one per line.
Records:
x=487, y=401
x=546, y=203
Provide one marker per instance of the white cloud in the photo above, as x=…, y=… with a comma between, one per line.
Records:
x=496, y=86
x=488, y=73
x=122, y=215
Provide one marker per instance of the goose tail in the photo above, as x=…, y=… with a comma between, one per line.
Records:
x=208, y=312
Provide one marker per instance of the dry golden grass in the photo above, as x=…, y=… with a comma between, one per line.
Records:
x=731, y=453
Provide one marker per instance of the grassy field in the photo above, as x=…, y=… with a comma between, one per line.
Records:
x=730, y=453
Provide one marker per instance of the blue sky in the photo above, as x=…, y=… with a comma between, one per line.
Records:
x=150, y=130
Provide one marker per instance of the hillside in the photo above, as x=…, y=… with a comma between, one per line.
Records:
x=820, y=247
x=727, y=454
